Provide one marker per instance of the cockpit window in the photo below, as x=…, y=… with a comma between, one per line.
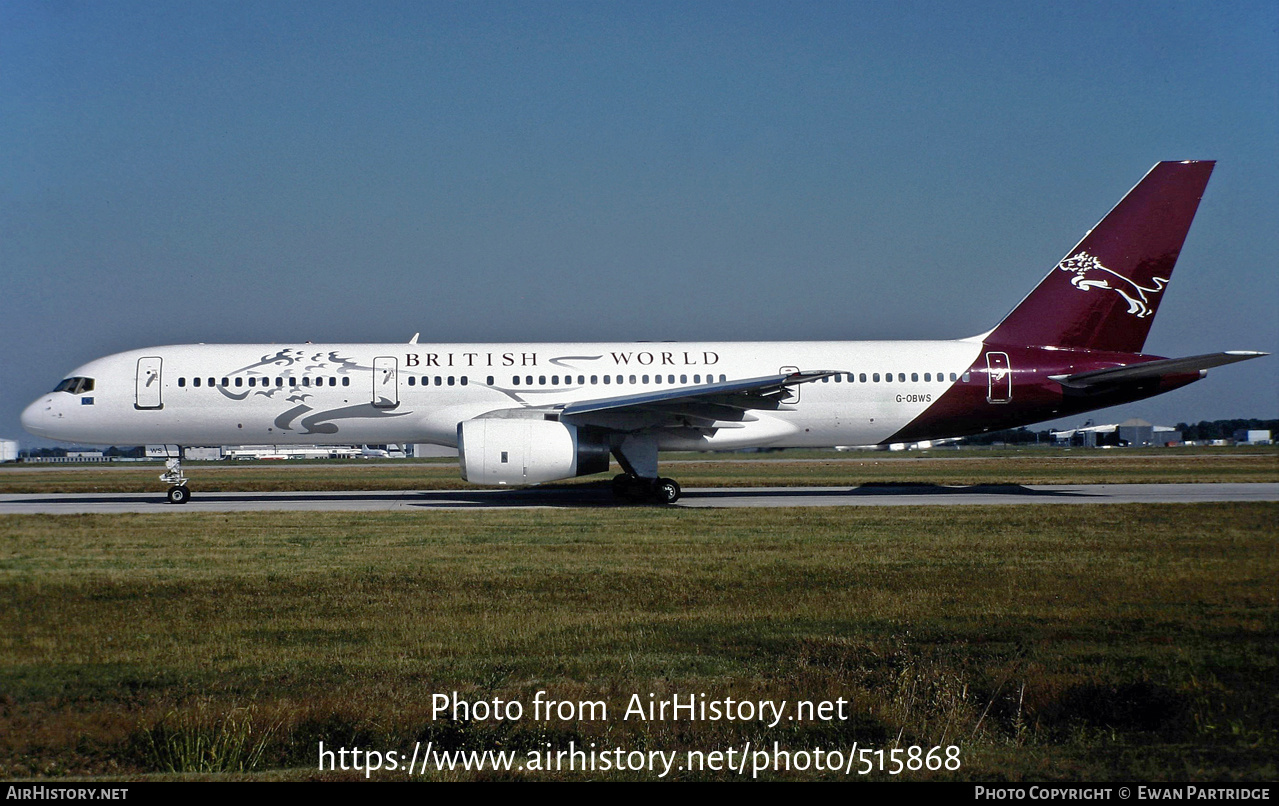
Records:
x=75, y=386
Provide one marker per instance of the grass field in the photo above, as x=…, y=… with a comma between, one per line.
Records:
x=1119, y=642
x=789, y=468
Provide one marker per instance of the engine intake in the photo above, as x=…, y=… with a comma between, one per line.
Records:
x=520, y=451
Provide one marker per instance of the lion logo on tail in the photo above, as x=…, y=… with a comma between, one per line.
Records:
x=1090, y=273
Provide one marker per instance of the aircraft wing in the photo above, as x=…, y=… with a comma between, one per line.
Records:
x=1152, y=369
x=717, y=405
x=702, y=405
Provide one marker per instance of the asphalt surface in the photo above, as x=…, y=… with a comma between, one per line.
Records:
x=917, y=495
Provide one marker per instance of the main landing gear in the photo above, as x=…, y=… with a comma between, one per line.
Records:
x=640, y=490
x=179, y=492
x=637, y=454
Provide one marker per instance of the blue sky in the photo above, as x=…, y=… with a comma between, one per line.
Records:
x=278, y=172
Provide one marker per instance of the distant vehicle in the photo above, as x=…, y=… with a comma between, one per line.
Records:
x=528, y=413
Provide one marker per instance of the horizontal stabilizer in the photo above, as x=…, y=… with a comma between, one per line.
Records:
x=1153, y=369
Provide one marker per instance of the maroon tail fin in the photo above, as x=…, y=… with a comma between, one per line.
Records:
x=1104, y=294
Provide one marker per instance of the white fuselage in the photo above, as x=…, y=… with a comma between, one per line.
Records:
x=395, y=393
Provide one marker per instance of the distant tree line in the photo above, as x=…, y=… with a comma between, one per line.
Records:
x=1223, y=429
x=1010, y=436
x=1201, y=431
x=138, y=452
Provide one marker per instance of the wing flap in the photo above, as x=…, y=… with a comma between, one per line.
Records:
x=1152, y=369
x=729, y=399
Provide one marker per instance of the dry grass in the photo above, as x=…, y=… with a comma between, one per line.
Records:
x=1063, y=642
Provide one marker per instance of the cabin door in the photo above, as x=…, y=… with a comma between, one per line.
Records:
x=999, y=378
x=386, y=390
x=793, y=397
x=148, y=383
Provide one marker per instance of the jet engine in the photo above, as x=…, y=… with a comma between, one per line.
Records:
x=526, y=451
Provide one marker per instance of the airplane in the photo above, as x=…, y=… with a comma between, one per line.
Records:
x=525, y=414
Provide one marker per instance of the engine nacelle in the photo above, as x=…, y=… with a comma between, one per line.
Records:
x=526, y=451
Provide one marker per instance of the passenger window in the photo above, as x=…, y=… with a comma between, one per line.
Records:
x=239, y=381
x=181, y=381
x=450, y=380
x=697, y=379
x=967, y=377
x=645, y=379
x=862, y=377
x=195, y=381
x=927, y=377
x=464, y=380
x=515, y=380
x=293, y=382
x=838, y=379
x=608, y=379
x=683, y=379
x=279, y=383
x=490, y=380
x=226, y=382
x=541, y=380
x=952, y=376
x=901, y=377
x=632, y=379
x=876, y=377
x=888, y=377
x=914, y=377
x=528, y=380
x=412, y=381
x=594, y=378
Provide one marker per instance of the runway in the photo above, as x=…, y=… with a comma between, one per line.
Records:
x=896, y=495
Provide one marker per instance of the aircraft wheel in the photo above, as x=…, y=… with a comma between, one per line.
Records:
x=666, y=491
x=622, y=485
x=631, y=489
x=179, y=494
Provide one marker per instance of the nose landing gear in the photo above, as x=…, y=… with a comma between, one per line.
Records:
x=179, y=492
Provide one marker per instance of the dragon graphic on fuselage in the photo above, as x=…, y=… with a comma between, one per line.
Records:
x=294, y=363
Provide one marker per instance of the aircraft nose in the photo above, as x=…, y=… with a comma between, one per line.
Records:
x=40, y=416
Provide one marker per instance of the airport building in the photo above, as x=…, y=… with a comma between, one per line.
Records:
x=1246, y=436
x=1132, y=433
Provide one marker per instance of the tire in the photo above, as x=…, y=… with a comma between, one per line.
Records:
x=666, y=491
x=179, y=495
x=622, y=485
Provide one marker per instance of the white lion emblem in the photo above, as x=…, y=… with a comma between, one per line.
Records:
x=1089, y=274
